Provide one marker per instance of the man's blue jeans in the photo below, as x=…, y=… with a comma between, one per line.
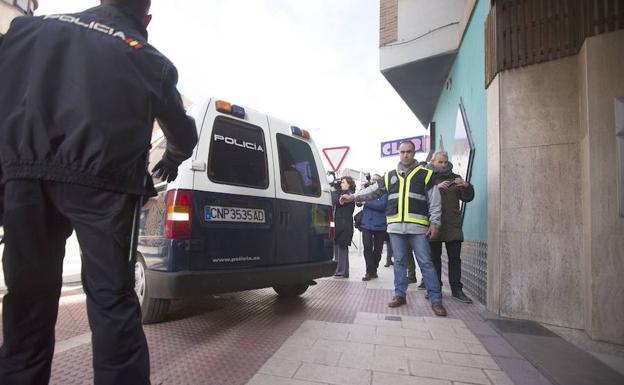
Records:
x=420, y=245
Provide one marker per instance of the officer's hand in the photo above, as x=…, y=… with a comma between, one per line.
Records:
x=165, y=170
x=346, y=198
x=433, y=232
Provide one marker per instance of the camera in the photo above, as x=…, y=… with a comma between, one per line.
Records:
x=335, y=182
x=368, y=180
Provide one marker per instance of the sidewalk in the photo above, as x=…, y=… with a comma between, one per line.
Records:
x=339, y=332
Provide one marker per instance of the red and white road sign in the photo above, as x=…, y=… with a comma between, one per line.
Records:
x=336, y=156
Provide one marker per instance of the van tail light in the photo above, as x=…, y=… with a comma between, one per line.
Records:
x=331, y=223
x=179, y=214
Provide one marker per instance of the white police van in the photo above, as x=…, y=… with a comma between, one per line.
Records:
x=250, y=209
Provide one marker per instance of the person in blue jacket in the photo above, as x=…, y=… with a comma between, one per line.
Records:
x=373, y=231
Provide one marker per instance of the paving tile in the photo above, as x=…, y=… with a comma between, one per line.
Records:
x=365, y=315
x=377, y=363
x=384, y=331
x=279, y=367
x=425, y=355
x=380, y=378
x=68, y=344
x=408, y=318
x=497, y=346
x=345, y=347
x=458, y=336
x=441, y=345
x=521, y=371
x=379, y=322
x=327, y=333
x=362, y=329
x=616, y=362
x=499, y=377
x=300, y=340
x=481, y=328
x=448, y=372
x=472, y=360
x=417, y=325
x=311, y=355
x=444, y=321
x=377, y=339
x=333, y=375
x=477, y=349
x=264, y=379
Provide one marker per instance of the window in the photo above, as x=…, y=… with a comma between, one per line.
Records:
x=23, y=4
x=237, y=154
x=298, y=170
x=463, y=148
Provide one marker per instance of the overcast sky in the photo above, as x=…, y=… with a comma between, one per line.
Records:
x=312, y=63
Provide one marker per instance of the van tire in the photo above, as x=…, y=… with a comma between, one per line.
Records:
x=291, y=290
x=153, y=310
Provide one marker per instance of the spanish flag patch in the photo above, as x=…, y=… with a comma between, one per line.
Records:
x=134, y=43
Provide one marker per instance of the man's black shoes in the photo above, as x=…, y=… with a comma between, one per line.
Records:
x=461, y=297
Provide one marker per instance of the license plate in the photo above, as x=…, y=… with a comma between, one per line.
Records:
x=233, y=214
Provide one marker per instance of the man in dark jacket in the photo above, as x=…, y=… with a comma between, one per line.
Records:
x=452, y=190
x=373, y=231
x=78, y=100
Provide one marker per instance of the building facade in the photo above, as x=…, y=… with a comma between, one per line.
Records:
x=10, y=9
x=432, y=54
x=539, y=89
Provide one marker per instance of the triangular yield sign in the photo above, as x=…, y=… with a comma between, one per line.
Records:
x=336, y=156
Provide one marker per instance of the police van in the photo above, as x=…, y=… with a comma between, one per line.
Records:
x=250, y=209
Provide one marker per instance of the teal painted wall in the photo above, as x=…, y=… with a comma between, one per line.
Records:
x=468, y=80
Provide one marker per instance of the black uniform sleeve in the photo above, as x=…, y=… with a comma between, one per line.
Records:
x=179, y=128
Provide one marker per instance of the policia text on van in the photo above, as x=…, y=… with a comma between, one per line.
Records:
x=248, y=210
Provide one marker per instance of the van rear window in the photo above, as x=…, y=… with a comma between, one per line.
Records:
x=237, y=154
x=298, y=170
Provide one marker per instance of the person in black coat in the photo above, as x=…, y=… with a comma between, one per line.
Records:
x=343, y=219
x=79, y=94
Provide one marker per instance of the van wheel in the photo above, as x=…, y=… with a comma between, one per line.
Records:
x=152, y=309
x=291, y=290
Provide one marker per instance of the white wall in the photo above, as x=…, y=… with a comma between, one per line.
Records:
x=426, y=28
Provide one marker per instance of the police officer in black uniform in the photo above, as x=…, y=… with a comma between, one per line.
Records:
x=79, y=94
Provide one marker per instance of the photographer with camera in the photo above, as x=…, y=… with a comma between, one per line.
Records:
x=343, y=219
x=452, y=189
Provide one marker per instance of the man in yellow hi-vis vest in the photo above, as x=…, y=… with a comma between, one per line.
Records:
x=413, y=214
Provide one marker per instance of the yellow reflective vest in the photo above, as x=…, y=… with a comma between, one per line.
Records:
x=407, y=197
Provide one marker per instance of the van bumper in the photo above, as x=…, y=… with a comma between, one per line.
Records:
x=183, y=284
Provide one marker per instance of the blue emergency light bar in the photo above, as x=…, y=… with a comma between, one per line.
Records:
x=299, y=132
x=230, y=109
x=238, y=111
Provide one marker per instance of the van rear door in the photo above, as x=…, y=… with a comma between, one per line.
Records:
x=234, y=196
x=303, y=206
